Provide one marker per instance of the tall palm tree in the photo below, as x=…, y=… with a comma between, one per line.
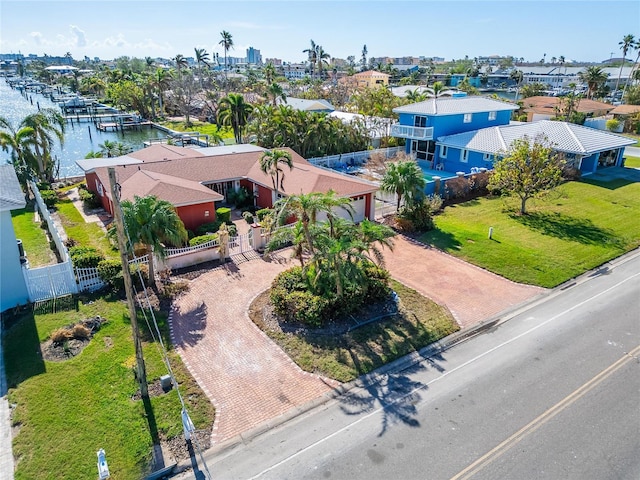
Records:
x=161, y=80
x=634, y=69
x=153, y=222
x=227, y=43
x=405, y=179
x=48, y=126
x=312, y=54
x=233, y=111
x=322, y=58
x=202, y=59
x=593, y=76
x=415, y=96
x=271, y=163
x=269, y=72
x=628, y=41
x=276, y=91
x=517, y=76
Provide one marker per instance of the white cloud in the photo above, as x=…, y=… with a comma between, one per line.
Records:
x=81, y=40
x=37, y=37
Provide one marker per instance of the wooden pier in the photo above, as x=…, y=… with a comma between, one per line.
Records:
x=114, y=126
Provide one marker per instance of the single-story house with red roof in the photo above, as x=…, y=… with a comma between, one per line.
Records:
x=193, y=180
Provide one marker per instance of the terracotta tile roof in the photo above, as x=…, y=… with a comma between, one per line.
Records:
x=541, y=104
x=176, y=190
x=303, y=178
x=625, y=110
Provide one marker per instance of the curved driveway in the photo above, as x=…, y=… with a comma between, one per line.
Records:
x=250, y=380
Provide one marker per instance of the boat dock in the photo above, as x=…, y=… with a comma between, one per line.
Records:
x=106, y=126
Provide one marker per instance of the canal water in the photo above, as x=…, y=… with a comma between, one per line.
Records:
x=80, y=138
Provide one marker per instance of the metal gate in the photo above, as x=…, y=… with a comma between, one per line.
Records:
x=240, y=244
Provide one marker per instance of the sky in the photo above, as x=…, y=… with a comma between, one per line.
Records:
x=578, y=30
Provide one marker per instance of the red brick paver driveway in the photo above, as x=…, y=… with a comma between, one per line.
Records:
x=246, y=376
x=471, y=293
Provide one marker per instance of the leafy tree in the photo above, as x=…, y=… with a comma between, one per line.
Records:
x=632, y=95
x=405, y=179
x=529, y=169
x=234, y=112
x=517, y=76
x=184, y=90
x=153, y=222
x=271, y=163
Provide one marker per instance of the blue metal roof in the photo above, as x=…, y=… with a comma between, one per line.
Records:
x=11, y=196
x=456, y=106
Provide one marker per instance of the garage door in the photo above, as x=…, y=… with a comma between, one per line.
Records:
x=357, y=203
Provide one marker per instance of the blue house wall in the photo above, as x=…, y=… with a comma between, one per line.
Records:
x=13, y=288
x=452, y=124
x=453, y=163
x=457, y=78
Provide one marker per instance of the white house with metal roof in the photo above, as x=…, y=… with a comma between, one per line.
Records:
x=585, y=148
x=13, y=288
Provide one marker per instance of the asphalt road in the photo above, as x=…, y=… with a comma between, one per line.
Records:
x=552, y=393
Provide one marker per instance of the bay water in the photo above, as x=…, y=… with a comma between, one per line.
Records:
x=79, y=139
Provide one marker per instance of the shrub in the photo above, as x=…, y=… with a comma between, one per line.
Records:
x=419, y=215
x=456, y=187
x=263, y=213
x=613, y=124
x=195, y=241
x=61, y=335
x=172, y=290
x=90, y=199
x=50, y=197
x=136, y=270
x=248, y=217
x=85, y=257
x=571, y=173
x=478, y=182
x=404, y=225
x=43, y=186
x=80, y=332
x=110, y=272
x=435, y=202
x=223, y=214
x=207, y=228
x=240, y=198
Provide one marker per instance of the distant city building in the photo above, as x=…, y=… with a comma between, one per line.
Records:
x=294, y=71
x=253, y=56
x=276, y=61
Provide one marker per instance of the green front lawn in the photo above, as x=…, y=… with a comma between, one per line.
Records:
x=85, y=234
x=419, y=323
x=67, y=410
x=34, y=239
x=204, y=128
x=582, y=226
x=632, y=162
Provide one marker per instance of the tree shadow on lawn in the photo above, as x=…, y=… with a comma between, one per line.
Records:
x=562, y=226
x=440, y=239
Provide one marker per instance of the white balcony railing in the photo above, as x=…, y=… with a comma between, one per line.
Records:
x=414, y=133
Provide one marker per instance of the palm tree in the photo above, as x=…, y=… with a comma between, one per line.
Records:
x=270, y=164
x=321, y=59
x=312, y=54
x=48, y=125
x=634, y=69
x=405, y=179
x=227, y=43
x=180, y=62
x=153, y=222
x=233, y=111
x=269, y=72
x=627, y=43
x=19, y=143
x=593, y=76
x=276, y=91
x=415, y=96
x=160, y=81
x=363, y=59
x=202, y=59
x=517, y=76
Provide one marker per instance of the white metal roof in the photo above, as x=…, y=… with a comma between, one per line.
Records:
x=87, y=164
x=11, y=196
x=563, y=136
x=456, y=106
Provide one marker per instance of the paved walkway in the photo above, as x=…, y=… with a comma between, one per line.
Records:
x=245, y=375
x=471, y=293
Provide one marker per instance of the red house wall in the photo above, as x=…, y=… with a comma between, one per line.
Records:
x=91, y=180
x=367, y=206
x=194, y=215
x=264, y=197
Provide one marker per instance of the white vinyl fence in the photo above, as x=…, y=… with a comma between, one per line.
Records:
x=51, y=281
x=353, y=158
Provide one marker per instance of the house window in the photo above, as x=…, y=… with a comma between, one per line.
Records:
x=487, y=157
x=99, y=188
x=206, y=213
x=443, y=151
x=468, y=117
x=493, y=115
x=419, y=121
x=464, y=156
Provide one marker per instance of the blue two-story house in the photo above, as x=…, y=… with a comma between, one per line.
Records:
x=584, y=148
x=422, y=123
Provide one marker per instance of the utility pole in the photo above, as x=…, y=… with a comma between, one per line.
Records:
x=141, y=372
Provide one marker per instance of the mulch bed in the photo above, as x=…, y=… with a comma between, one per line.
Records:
x=61, y=351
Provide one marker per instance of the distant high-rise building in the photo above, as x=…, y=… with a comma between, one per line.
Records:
x=253, y=56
